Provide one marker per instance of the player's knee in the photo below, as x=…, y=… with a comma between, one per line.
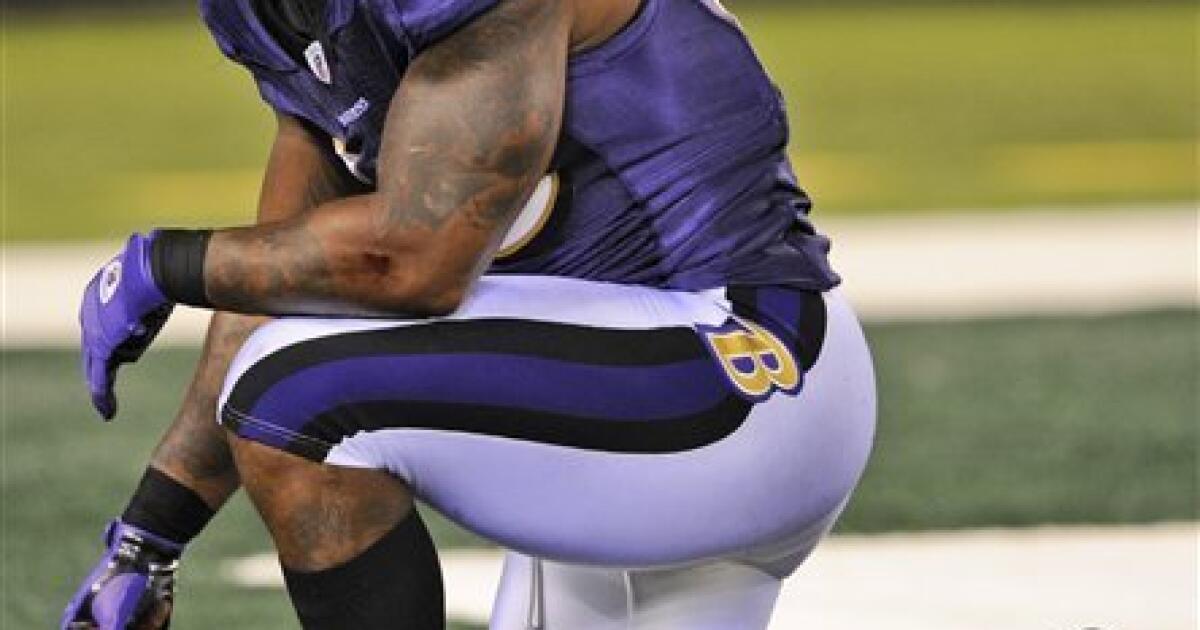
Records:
x=319, y=515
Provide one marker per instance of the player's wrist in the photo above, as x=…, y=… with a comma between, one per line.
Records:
x=155, y=547
x=176, y=262
x=167, y=508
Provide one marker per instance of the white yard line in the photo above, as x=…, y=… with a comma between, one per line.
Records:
x=1032, y=262
x=1049, y=578
x=936, y=266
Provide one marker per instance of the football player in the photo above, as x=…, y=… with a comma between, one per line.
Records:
x=541, y=264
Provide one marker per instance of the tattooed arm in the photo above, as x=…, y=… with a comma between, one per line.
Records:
x=194, y=452
x=470, y=131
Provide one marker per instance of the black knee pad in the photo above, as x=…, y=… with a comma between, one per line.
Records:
x=396, y=583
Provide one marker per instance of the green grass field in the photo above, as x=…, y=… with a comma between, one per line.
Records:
x=982, y=423
x=116, y=124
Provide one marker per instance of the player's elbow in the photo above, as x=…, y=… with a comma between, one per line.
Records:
x=418, y=286
x=442, y=302
x=423, y=271
x=408, y=297
x=435, y=294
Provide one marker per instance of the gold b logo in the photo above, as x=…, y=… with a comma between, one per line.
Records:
x=753, y=358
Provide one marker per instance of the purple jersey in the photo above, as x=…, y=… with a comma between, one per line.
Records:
x=671, y=170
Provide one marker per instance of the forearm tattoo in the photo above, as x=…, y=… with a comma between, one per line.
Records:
x=267, y=269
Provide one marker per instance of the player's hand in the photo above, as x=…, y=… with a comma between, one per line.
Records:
x=122, y=310
x=131, y=588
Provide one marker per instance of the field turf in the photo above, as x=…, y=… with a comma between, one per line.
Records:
x=117, y=123
x=1005, y=422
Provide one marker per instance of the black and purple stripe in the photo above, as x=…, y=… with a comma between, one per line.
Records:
x=628, y=391
x=635, y=391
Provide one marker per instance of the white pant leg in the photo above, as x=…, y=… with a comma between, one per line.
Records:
x=586, y=598
x=721, y=595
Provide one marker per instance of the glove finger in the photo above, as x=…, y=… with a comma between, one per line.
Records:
x=105, y=404
x=100, y=386
x=116, y=604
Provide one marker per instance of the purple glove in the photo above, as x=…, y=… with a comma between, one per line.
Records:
x=123, y=309
x=133, y=579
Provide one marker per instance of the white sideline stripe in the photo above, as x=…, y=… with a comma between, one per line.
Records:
x=1032, y=262
x=1049, y=261
x=1046, y=578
